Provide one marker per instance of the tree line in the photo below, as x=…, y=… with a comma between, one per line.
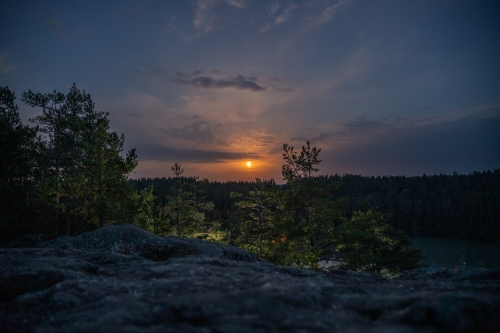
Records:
x=451, y=206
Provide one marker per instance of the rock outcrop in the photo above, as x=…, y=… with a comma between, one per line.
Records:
x=123, y=279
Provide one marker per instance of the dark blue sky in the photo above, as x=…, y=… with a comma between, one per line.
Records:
x=383, y=87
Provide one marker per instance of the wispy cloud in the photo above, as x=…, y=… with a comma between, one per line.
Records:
x=237, y=3
x=199, y=131
x=315, y=13
x=461, y=145
x=151, y=70
x=362, y=124
x=211, y=15
x=157, y=152
x=238, y=82
x=272, y=8
x=361, y=128
x=279, y=17
x=277, y=85
x=329, y=11
x=207, y=17
x=321, y=137
x=285, y=15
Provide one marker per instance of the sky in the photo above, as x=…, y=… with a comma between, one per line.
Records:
x=386, y=87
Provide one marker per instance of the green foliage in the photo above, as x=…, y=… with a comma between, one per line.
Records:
x=82, y=178
x=155, y=216
x=256, y=230
x=366, y=242
x=187, y=207
x=305, y=213
x=291, y=226
x=104, y=174
x=302, y=223
x=302, y=165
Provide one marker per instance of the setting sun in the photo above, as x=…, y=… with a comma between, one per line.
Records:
x=249, y=164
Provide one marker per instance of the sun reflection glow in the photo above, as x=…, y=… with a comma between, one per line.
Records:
x=249, y=164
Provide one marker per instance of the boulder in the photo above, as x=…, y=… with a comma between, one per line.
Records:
x=123, y=279
x=130, y=240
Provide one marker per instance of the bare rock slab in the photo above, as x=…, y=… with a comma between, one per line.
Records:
x=123, y=279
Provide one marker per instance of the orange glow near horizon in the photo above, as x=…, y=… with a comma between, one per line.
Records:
x=220, y=171
x=249, y=164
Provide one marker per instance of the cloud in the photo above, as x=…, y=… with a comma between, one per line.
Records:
x=183, y=75
x=280, y=18
x=4, y=66
x=205, y=18
x=150, y=70
x=200, y=132
x=237, y=3
x=180, y=28
x=361, y=128
x=238, y=82
x=273, y=8
x=320, y=137
x=329, y=11
x=362, y=124
x=196, y=79
x=461, y=145
x=164, y=153
x=208, y=16
x=285, y=15
x=141, y=103
x=315, y=13
x=274, y=82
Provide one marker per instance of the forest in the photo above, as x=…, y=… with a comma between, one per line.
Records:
x=68, y=174
x=452, y=206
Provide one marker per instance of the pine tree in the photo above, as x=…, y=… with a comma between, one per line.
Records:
x=154, y=214
x=187, y=208
x=305, y=214
x=84, y=178
x=367, y=242
x=61, y=124
x=105, y=172
x=256, y=231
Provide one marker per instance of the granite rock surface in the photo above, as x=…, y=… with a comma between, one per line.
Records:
x=123, y=279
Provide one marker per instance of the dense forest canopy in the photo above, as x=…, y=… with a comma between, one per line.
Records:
x=69, y=174
x=453, y=206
